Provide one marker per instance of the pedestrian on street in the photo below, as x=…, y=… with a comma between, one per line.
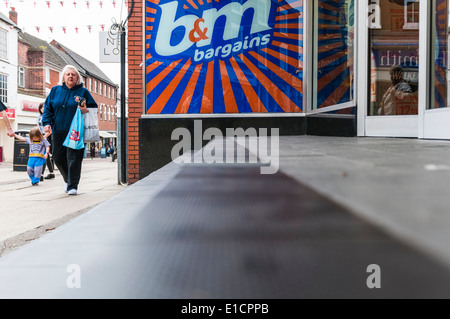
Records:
x=49, y=161
x=39, y=149
x=92, y=151
x=60, y=107
x=3, y=109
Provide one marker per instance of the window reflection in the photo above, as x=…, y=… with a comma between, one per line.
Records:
x=334, y=56
x=394, y=47
x=441, y=36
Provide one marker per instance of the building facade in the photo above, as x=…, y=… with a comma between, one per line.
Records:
x=30, y=67
x=8, y=80
x=39, y=67
x=324, y=67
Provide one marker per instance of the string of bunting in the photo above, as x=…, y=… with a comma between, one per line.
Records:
x=102, y=27
x=75, y=3
x=67, y=4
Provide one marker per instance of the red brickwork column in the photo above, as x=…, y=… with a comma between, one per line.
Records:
x=135, y=86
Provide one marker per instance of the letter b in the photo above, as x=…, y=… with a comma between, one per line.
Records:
x=198, y=56
x=167, y=25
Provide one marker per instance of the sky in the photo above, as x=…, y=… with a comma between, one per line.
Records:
x=75, y=24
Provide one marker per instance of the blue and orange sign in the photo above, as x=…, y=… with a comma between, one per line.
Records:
x=224, y=56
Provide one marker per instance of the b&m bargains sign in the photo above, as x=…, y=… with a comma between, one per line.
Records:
x=222, y=56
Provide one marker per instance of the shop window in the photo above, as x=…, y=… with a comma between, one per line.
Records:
x=394, y=56
x=333, y=53
x=250, y=60
x=440, y=46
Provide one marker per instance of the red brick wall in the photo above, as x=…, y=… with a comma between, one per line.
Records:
x=135, y=87
x=22, y=53
x=105, y=104
x=54, y=79
x=33, y=61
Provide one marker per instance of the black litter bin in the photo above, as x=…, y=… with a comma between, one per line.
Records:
x=21, y=151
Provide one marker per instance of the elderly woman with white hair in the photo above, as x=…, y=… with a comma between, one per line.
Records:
x=60, y=107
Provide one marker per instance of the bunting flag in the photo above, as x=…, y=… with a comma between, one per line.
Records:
x=37, y=29
x=51, y=29
x=62, y=3
x=64, y=29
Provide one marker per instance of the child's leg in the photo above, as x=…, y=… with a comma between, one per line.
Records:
x=38, y=171
x=34, y=169
x=30, y=169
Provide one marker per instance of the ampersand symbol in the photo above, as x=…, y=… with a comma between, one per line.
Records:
x=201, y=34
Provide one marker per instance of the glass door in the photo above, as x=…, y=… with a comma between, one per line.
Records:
x=392, y=96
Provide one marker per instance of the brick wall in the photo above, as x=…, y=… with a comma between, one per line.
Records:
x=35, y=73
x=135, y=87
x=33, y=63
x=54, y=79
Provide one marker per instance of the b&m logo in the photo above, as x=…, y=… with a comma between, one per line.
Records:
x=213, y=31
x=223, y=56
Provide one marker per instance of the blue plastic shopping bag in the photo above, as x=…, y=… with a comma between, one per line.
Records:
x=74, y=138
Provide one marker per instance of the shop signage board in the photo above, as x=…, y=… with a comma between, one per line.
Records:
x=11, y=113
x=217, y=57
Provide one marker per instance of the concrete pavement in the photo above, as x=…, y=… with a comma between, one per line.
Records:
x=336, y=207
x=27, y=211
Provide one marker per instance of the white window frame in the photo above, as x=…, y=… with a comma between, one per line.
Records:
x=47, y=75
x=3, y=44
x=4, y=88
x=310, y=58
x=411, y=126
x=410, y=25
x=21, y=77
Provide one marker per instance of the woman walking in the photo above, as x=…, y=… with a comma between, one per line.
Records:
x=60, y=107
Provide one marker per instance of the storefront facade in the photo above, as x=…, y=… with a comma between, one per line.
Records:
x=413, y=36
x=326, y=67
